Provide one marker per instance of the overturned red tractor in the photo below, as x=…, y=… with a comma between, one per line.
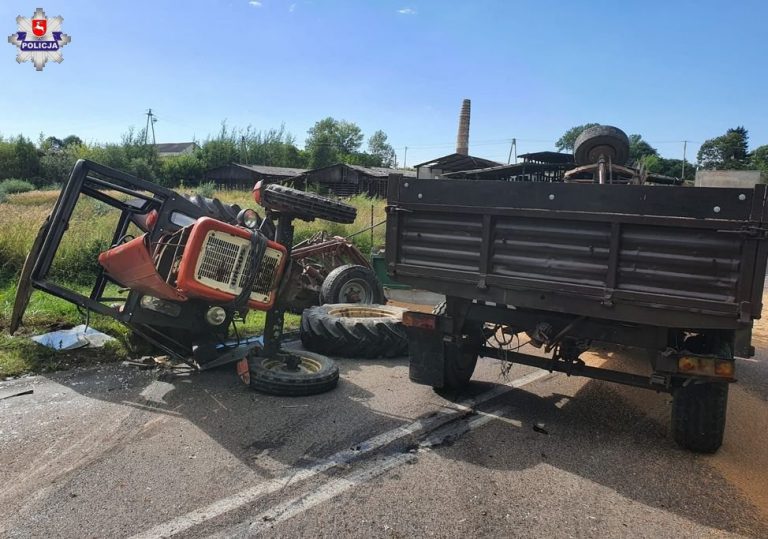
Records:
x=187, y=267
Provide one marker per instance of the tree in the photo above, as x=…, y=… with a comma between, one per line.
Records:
x=19, y=159
x=175, y=170
x=330, y=139
x=379, y=147
x=759, y=159
x=669, y=167
x=638, y=148
x=727, y=151
x=568, y=140
x=72, y=140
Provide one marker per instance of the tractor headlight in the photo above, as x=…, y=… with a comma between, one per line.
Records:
x=248, y=218
x=158, y=305
x=215, y=316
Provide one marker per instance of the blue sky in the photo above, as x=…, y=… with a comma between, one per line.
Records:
x=670, y=70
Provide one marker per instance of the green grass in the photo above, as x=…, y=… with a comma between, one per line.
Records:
x=75, y=266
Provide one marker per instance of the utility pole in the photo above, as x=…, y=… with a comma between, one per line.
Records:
x=151, y=119
x=243, y=153
x=685, y=147
x=512, y=147
x=405, y=157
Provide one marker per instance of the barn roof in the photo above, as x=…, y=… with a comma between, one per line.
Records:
x=375, y=172
x=173, y=147
x=457, y=161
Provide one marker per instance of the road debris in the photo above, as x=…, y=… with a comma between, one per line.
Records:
x=70, y=339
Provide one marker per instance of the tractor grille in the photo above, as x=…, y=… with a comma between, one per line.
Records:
x=224, y=262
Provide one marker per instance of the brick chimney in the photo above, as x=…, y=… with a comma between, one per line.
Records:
x=462, y=139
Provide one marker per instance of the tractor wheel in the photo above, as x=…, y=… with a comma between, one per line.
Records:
x=306, y=206
x=354, y=330
x=606, y=140
x=213, y=207
x=293, y=373
x=351, y=284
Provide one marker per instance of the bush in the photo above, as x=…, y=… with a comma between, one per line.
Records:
x=207, y=189
x=15, y=186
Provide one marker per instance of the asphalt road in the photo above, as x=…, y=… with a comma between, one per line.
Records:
x=117, y=452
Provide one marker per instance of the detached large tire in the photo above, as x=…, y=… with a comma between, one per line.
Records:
x=351, y=284
x=315, y=374
x=699, y=409
x=354, y=330
x=605, y=140
x=460, y=359
x=306, y=206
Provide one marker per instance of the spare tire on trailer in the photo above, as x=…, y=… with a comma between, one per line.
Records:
x=306, y=206
x=606, y=140
x=351, y=284
x=354, y=330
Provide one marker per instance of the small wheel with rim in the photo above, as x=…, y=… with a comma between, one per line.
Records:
x=351, y=284
x=293, y=373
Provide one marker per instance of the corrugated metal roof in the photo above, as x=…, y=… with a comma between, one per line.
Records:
x=288, y=172
x=174, y=147
x=548, y=157
x=457, y=161
x=383, y=172
x=376, y=172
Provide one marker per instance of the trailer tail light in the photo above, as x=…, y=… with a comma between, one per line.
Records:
x=419, y=320
x=216, y=262
x=706, y=366
x=724, y=368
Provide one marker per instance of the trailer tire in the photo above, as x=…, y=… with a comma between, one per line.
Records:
x=698, y=416
x=351, y=284
x=306, y=206
x=354, y=330
x=699, y=409
x=460, y=359
x=607, y=140
x=316, y=374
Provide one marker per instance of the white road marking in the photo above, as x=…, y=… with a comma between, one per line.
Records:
x=335, y=487
x=296, y=475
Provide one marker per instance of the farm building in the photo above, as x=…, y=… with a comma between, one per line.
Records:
x=345, y=180
x=172, y=149
x=534, y=167
x=455, y=162
x=237, y=176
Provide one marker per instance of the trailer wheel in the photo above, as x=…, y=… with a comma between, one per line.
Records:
x=351, y=284
x=699, y=409
x=307, y=374
x=460, y=359
x=354, y=330
x=698, y=416
x=605, y=140
x=306, y=206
